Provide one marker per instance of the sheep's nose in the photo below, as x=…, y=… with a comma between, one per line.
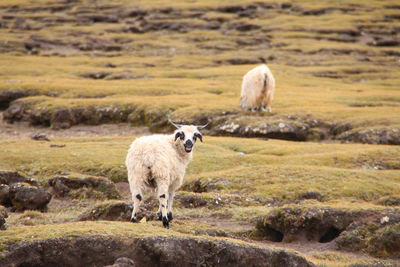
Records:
x=188, y=143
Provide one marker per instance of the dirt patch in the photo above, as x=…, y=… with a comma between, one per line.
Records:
x=149, y=251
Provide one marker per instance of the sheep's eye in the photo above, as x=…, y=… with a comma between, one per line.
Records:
x=182, y=135
x=194, y=138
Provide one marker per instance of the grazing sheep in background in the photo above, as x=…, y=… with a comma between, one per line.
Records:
x=258, y=89
x=159, y=162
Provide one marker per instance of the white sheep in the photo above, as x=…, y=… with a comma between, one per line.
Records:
x=159, y=162
x=258, y=89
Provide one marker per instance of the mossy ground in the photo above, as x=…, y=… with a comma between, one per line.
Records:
x=182, y=78
x=247, y=186
x=326, y=65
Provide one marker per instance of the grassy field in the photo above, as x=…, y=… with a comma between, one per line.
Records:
x=327, y=66
x=144, y=62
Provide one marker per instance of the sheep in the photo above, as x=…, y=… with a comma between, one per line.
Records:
x=258, y=89
x=158, y=162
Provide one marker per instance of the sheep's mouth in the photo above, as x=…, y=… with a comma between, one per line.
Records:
x=188, y=149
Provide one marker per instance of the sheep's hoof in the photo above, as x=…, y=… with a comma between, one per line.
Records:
x=170, y=216
x=159, y=216
x=165, y=222
x=133, y=220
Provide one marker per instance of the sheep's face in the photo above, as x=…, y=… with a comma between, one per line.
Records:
x=187, y=135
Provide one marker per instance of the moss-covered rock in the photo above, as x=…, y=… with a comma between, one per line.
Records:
x=25, y=196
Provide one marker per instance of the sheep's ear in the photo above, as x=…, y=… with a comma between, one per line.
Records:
x=177, y=126
x=177, y=135
x=203, y=126
x=199, y=136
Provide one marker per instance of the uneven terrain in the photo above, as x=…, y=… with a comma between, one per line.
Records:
x=315, y=182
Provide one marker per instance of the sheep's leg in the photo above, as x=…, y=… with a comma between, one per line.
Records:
x=268, y=102
x=163, y=199
x=159, y=215
x=169, y=208
x=136, y=198
x=170, y=202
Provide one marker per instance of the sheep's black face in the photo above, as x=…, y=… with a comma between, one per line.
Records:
x=188, y=136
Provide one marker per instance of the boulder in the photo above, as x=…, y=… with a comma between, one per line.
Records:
x=5, y=195
x=24, y=196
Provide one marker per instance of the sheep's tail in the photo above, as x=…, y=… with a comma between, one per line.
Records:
x=269, y=81
x=243, y=102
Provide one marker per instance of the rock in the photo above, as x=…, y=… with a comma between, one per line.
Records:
x=96, y=75
x=40, y=137
x=7, y=96
x=90, y=187
x=124, y=75
x=5, y=195
x=9, y=178
x=261, y=125
x=338, y=128
x=3, y=215
x=123, y=262
x=372, y=136
x=146, y=252
x=15, y=112
x=24, y=196
x=62, y=118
